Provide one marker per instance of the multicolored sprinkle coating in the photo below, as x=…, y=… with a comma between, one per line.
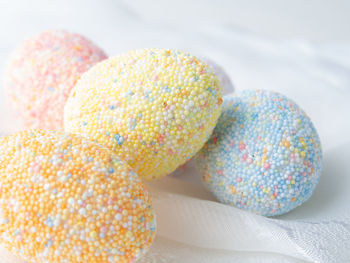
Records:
x=64, y=199
x=41, y=73
x=155, y=108
x=264, y=155
x=221, y=74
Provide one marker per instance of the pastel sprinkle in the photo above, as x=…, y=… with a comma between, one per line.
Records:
x=168, y=105
x=101, y=213
x=221, y=74
x=277, y=160
x=42, y=71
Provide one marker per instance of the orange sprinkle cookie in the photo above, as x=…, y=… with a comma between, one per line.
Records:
x=64, y=199
x=155, y=108
x=42, y=71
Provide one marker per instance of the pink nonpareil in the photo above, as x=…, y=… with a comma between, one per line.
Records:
x=42, y=71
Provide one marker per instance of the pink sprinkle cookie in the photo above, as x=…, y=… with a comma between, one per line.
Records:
x=41, y=73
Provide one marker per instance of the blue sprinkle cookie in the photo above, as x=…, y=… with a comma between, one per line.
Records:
x=264, y=155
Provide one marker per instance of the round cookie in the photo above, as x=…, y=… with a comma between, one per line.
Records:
x=66, y=199
x=155, y=108
x=221, y=74
x=42, y=71
x=264, y=155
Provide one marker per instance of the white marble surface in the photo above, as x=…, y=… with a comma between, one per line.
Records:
x=259, y=46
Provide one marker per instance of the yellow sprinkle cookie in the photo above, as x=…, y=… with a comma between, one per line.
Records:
x=155, y=108
x=64, y=199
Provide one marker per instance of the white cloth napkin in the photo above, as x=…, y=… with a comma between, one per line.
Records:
x=194, y=228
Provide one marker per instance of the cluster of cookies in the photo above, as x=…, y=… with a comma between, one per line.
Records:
x=71, y=184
